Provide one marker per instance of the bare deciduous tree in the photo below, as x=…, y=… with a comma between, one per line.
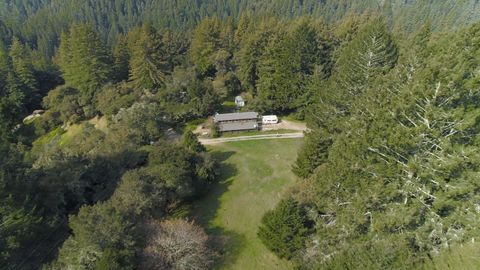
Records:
x=176, y=244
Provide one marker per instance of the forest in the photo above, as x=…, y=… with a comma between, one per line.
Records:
x=390, y=92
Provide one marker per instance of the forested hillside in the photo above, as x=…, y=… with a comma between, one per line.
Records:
x=390, y=166
x=103, y=176
x=41, y=22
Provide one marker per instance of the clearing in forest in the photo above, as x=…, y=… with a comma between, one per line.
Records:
x=254, y=177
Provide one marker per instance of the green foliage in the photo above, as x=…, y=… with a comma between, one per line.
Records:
x=113, y=259
x=205, y=46
x=370, y=54
x=121, y=56
x=288, y=63
x=391, y=253
x=215, y=131
x=401, y=159
x=190, y=141
x=23, y=69
x=141, y=123
x=113, y=97
x=391, y=156
x=139, y=193
x=19, y=83
x=149, y=63
x=313, y=153
x=63, y=103
x=284, y=229
x=84, y=61
x=18, y=215
x=98, y=230
x=42, y=22
x=187, y=97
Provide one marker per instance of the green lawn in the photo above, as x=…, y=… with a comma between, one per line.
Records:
x=255, y=174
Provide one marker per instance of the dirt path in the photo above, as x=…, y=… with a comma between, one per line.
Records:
x=249, y=138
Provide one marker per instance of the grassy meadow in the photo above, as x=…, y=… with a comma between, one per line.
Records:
x=255, y=174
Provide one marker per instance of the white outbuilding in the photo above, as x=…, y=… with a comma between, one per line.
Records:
x=269, y=119
x=239, y=101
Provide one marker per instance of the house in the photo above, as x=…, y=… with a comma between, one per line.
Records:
x=239, y=101
x=230, y=122
x=269, y=119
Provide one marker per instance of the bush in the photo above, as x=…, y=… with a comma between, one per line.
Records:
x=215, y=131
x=63, y=102
x=190, y=141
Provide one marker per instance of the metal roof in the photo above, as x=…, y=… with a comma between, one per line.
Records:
x=235, y=116
x=238, y=126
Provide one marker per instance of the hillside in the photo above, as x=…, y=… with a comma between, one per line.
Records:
x=99, y=167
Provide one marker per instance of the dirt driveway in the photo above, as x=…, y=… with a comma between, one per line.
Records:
x=285, y=124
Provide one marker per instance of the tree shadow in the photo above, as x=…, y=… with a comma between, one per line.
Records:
x=227, y=244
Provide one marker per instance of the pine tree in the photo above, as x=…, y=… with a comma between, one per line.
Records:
x=313, y=153
x=372, y=53
x=84, y=61
x=121, y=56
x=279, y=84
x=190, y=141
x=243, y=27
x=4, y=68
x=149, y=62
x=207, y=39
x=284, y=229
x=23, y=70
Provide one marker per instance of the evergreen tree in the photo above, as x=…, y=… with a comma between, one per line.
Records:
x=279, y=84
x=284, y=229
x=190, y=141
x=250, y=52
x=84, y=61
x=7, y=98
x=287, y=66
x=313, y=153
x=149, y=63
x=19, y=217
x=372, y=53
x=206, y=41
x=23, y=69
x=121, y=56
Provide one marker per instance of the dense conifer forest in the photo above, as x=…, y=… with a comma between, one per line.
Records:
x=388, y=173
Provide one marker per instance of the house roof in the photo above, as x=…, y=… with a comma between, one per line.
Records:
x=238, y=126
x=235, y=116
x=239, y=99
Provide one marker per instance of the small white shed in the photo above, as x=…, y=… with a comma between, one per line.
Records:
x=269, y=119
x=239, y=101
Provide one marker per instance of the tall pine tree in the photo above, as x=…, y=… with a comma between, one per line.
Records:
x=149, y=63
x=84, y=61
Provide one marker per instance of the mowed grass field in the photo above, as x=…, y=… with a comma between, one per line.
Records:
x=255, y=175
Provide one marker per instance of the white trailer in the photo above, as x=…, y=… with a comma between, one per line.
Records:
x=269, y=119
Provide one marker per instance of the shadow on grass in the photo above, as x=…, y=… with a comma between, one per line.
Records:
x=228, y=244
